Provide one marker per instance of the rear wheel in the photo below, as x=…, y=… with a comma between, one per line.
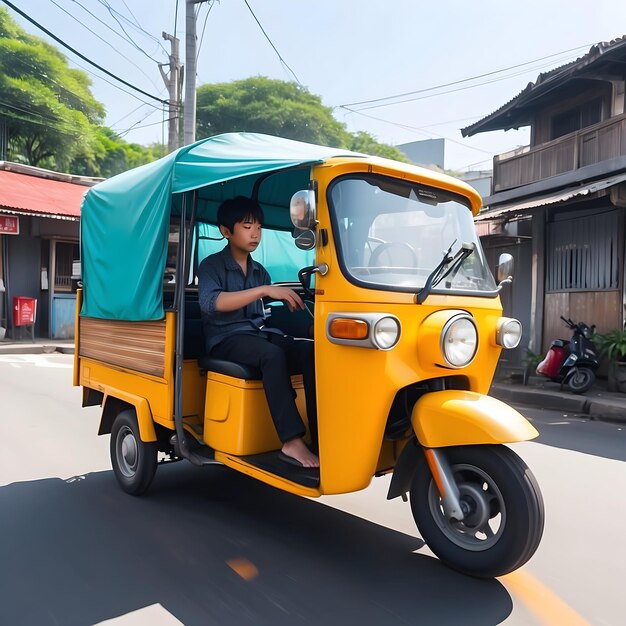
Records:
x=581, y=380
x=503, y=509
x=134, y=461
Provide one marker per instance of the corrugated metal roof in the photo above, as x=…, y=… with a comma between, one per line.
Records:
x=595, y=53
x=21, y=193
x=554, y=198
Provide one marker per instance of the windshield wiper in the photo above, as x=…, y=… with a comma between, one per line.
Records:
x=450, y=263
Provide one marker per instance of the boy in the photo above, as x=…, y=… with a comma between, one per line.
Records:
x=231, y=287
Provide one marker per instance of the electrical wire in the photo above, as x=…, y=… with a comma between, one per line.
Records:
x=126, y=39
x=284, y=63
x=464, y=80
x=113, y=12
x=206, y=17
x=82, y=56
x=108, y=43
x=416, y=129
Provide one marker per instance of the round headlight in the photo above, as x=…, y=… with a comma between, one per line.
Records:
x=509, y=333
x=459, y=341
x=386, y=333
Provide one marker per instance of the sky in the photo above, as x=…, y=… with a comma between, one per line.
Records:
x=345, y=51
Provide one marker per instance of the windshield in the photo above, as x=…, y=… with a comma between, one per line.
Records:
x=392, y=234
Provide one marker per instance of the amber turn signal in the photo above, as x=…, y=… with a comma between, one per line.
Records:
x=346, y=328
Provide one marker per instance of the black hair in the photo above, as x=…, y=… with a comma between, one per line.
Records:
x=239, y=209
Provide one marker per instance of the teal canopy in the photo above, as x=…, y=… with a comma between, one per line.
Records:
x=125, y=219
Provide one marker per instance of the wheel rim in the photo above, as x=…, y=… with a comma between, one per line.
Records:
x=127, y=452
x=580, y=378
x=482, y=504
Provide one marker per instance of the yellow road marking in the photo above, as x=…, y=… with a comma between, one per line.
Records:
x=243, y=568
x=543, y=603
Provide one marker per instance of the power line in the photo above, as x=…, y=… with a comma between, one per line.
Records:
x=108, y=43
x=126, y=38
x=416, y=129
x=271, y=44
x=464, y=80
x=82, y=56
x=137, y=26
x=442, y=93
x=206, y=17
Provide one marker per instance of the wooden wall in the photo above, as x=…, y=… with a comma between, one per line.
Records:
x=139, y=346
x=602, y=308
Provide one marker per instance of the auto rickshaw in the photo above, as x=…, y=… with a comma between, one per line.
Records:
x=402, y=308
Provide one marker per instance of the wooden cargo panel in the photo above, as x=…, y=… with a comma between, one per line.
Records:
x=139, y=346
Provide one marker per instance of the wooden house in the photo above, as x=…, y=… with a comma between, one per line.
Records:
x=558, y=204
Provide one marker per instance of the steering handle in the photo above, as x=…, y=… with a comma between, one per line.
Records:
x=304, y=276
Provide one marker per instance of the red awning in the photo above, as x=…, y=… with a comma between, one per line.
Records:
x=21, y=193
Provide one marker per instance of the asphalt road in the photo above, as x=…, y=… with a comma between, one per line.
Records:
x=214, y=547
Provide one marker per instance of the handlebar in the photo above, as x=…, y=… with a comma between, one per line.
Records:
x=581, y=326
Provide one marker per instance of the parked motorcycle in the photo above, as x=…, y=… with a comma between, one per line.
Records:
x=572, y=362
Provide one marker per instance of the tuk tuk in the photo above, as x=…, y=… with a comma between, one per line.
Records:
x=402, y=308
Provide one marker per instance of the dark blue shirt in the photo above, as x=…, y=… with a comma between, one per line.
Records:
x=220, y=272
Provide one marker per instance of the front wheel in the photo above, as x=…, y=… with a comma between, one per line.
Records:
x=503, y=509
x=134, y=461
x=581, y=380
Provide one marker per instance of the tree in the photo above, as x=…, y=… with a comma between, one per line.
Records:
x=276, y=107
x=49, y=110
x=364, y=142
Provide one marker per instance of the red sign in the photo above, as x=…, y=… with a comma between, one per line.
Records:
x=9, y=225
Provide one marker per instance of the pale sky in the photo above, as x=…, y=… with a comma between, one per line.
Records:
x=345, y=51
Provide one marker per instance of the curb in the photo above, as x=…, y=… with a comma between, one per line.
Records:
x=35, y=349
x=609, y=409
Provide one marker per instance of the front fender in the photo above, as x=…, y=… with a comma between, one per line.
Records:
x=457, y=418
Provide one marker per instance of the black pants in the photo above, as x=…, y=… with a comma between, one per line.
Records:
x=278, y=357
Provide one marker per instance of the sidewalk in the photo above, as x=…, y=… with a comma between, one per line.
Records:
x=597, y=403
x=40, y=346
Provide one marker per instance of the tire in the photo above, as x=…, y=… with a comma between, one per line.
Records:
x=493, y=480
x=134, y=461
x=581, y=380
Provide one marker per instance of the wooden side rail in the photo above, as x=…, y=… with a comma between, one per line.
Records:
x=138, y=346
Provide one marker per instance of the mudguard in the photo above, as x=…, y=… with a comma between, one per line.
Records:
x=458, y=418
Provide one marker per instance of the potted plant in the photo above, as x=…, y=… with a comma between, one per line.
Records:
x=613, y=346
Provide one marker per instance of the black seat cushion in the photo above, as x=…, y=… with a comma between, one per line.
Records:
x=229, y=368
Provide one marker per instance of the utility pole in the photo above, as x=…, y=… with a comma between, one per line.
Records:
x=173, y=82
x=190, y=71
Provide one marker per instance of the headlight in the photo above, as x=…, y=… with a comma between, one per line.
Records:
x=386, y=333
x=459, y=341
x=509, y=333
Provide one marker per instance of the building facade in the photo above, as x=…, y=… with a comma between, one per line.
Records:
x=39, y=247
x=557, y=205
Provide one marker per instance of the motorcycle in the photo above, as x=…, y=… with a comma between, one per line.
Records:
x=572, y=362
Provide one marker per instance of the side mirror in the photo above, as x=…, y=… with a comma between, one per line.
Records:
x=302, y=209
x=505, y=267
x=306, y=240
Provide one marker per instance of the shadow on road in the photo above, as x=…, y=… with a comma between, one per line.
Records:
x=580, y=434
x=81, y=551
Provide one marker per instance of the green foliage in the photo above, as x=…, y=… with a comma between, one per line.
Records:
x=263, y=105
x=283, y=109
x=612, y=344
x=531, y=359
x=48, y=107
x=364, y=142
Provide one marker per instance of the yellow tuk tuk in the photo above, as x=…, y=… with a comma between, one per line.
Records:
x=402, y=308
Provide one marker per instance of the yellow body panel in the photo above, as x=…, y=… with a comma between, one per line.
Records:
x=237, y=419
x=355, y=385
x=453, y=418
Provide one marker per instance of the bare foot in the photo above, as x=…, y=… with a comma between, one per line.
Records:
x=296, y=449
